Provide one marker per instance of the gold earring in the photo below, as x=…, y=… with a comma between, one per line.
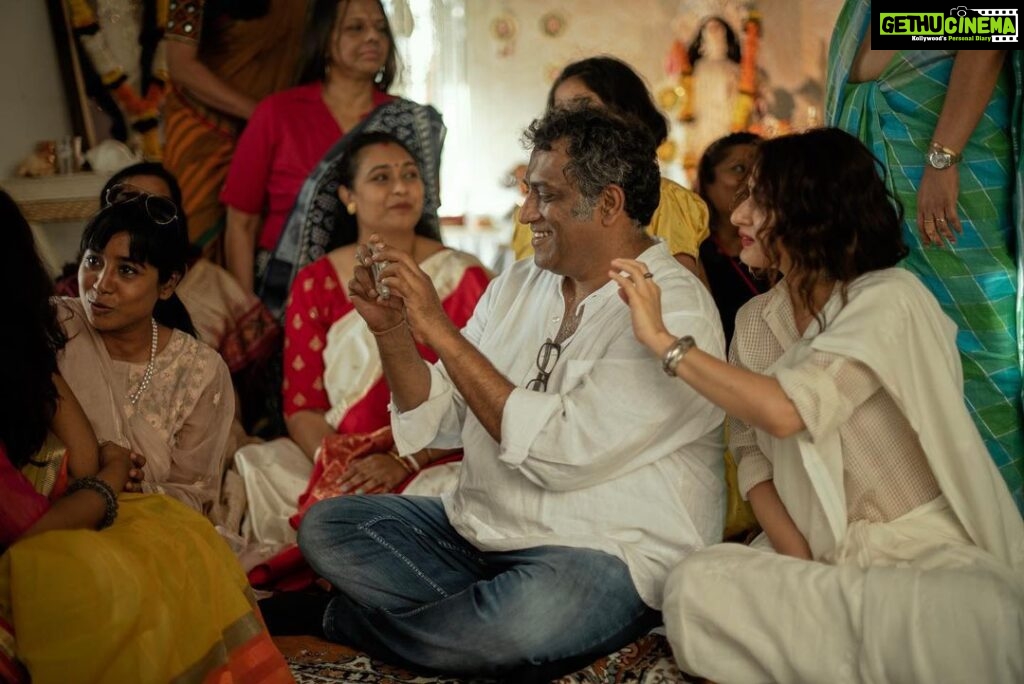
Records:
x=351, y=208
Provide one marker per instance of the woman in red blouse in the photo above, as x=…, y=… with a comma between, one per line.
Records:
x=333, y=379
x=348, y=64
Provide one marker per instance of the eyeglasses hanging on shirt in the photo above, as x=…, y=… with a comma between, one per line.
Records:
x=546, y=359
x=549, y=352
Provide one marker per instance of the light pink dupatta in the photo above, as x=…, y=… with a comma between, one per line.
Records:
x=182, y=421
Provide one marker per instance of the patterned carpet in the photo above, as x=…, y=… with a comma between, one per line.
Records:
x=313, y=661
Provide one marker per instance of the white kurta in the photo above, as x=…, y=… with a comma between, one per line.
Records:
x=934, y=595
x=614, y=456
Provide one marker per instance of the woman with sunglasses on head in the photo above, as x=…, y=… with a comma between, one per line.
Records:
x=132, y=358
x=881, y=509
x=97, y=584
x=333, y=378
x=226, y=317
x=681, y=219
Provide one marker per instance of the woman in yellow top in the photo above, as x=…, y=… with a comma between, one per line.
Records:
x=681, y=219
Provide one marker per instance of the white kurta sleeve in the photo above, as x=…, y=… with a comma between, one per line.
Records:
x=437, y=422
x=752, y=466
x=826, y=389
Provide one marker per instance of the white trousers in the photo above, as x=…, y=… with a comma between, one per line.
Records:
x=736, y=614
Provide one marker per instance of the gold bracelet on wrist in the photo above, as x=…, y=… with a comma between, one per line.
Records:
x=401, y=461
x=411, y=460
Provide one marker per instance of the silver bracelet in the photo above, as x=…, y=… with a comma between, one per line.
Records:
x=103, y=489
x=676, y=353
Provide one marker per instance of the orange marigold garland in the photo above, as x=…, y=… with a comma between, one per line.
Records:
x=142, y=113
x=748, y=72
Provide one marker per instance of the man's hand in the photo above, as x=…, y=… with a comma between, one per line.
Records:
x=408, y=282
x=380, y=314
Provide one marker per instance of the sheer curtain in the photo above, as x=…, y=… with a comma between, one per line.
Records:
x=431, y=37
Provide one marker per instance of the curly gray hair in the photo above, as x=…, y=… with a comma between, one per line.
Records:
x=603, y=149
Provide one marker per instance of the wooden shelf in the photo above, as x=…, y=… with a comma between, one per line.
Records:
x=57, y=199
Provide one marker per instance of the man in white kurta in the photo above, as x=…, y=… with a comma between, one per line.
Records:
x=588, y=472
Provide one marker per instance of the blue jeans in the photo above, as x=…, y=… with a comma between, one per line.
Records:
x=414, y=592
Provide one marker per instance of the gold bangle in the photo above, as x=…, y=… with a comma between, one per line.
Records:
x=935, y=145
x=401, y=462
x=411, y=460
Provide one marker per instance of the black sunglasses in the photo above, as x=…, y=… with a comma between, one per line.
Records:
x=160, y=209
x=547, y=356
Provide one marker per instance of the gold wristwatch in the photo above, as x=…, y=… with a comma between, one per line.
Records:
x=939, y=156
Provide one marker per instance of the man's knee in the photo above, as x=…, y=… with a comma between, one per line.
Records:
x=331, y=520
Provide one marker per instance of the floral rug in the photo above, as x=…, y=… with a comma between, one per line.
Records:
x=313, y=661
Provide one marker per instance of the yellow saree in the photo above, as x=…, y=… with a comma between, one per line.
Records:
x=156, y=597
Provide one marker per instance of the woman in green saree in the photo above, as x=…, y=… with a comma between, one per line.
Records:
x=946, y=125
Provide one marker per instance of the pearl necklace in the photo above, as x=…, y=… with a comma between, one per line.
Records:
x=150, y=368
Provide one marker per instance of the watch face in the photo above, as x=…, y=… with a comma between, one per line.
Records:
x=939, y=159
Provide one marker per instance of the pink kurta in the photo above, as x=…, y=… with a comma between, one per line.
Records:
x=182, y=421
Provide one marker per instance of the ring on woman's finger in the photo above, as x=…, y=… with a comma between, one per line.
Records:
x=648, y=276
x=359, y=490
x=928, y=221
x=940, y=220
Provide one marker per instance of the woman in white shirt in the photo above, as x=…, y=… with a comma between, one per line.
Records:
x=897, y=548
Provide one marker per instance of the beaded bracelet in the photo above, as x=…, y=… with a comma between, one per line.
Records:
x=103, y=489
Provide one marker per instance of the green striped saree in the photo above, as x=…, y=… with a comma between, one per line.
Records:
x=977, y=280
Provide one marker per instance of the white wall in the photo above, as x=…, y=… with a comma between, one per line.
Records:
x=32, y=106
x=507, y=92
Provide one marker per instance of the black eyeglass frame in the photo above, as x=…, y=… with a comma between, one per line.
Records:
x=162, y=210
x=547, y=357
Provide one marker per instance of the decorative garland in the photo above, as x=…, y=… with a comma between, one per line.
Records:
x=748, y=72
x=142, y=113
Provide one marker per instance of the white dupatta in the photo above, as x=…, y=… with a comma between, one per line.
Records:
x=894, y=326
